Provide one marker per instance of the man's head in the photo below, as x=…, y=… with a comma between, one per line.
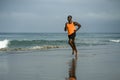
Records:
x=69, y=18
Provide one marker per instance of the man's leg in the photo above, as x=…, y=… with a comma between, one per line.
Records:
x=74, y=46
x=71, y=44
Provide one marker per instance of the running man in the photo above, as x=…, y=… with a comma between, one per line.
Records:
x=70, y=27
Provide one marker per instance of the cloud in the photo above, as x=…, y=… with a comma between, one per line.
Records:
x=34, y=14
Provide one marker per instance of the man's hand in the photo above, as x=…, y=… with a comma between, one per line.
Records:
x=75, y=31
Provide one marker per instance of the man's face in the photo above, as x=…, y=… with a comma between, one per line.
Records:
x=69, y=18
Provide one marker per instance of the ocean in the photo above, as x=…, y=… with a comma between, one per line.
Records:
x=48, y=56
x=47, y=41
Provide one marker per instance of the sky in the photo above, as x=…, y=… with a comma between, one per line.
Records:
x=51, y=15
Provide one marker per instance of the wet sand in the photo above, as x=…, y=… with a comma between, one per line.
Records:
x=60, y=65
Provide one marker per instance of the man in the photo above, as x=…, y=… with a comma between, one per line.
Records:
x=70, y=27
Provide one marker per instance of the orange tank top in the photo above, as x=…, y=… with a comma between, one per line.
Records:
x=70, y=28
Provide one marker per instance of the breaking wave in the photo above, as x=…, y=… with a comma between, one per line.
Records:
x=116, y=41
x=26, y=45
x=4, y=43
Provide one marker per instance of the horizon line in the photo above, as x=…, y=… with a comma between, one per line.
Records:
x=59, y=32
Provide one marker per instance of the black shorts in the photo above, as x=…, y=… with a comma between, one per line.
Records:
x=72, y=36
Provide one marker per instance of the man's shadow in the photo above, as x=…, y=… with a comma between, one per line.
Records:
x=72, y=69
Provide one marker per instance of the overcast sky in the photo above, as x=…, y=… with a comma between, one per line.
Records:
x=51, y=15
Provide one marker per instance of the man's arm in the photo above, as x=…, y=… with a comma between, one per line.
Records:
x=78, y=25
x=65, y=29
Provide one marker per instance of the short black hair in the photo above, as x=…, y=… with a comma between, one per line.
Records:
x=69, y=16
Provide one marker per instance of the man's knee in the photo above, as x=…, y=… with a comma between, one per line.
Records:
x=70, y=41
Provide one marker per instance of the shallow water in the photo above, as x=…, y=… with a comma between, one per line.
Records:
x=92, y=64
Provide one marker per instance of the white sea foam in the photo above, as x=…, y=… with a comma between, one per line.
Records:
x=36, y=47
x=117, y=41
x=45, y=47
x=4, y=44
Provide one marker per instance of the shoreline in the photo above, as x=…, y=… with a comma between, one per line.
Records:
x=92, y=64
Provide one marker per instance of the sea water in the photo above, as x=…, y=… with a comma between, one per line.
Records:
x=45, y=41
x=47, y=56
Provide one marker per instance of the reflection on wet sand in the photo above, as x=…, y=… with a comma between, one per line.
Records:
x=72, y=70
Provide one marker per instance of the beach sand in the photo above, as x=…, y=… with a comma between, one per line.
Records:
x=57, y=65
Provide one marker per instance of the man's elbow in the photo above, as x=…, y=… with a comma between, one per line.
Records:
x=79, y=26
x=64, y=29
